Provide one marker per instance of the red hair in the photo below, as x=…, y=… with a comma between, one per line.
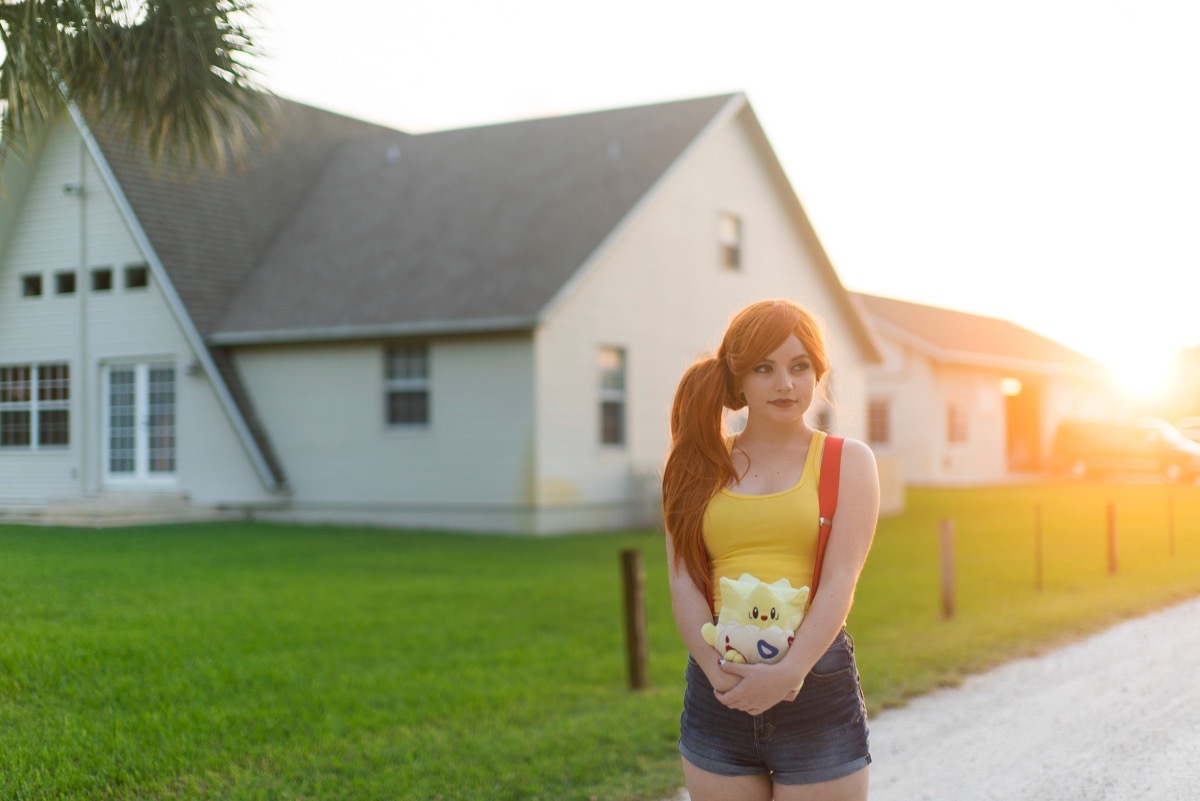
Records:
x=699, y=464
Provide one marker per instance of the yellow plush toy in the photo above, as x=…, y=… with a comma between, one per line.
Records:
x=757, y=621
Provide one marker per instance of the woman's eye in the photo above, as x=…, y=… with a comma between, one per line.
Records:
x=800, y=368
x=763, y=368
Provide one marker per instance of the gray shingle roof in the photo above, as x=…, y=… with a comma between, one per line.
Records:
x=209, y=228
x=462, y=229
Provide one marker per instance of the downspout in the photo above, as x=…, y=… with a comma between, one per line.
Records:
x=79, y=190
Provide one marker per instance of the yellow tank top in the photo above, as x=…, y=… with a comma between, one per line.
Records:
x=769, y=536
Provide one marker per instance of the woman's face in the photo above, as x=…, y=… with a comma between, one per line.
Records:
x=780, y=388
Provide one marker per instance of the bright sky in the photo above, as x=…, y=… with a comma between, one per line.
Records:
x=1036, y=160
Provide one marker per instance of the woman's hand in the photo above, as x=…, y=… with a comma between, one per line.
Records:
x=758, y=687
x=721, y=680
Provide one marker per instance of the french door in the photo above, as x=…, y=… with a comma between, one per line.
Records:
x=139, y=431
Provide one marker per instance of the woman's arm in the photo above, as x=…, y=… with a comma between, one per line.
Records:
x=691, y=613
x=854, y=521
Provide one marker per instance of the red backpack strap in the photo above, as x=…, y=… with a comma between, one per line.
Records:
x=827, y=495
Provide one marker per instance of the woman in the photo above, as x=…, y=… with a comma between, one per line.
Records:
x=748, y=504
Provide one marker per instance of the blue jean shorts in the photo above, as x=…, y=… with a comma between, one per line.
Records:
x=819, y=737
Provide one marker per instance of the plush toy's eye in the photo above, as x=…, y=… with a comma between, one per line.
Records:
x=774, y=614
x=754, y=613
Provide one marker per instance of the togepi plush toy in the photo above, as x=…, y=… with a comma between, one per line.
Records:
x=758, y=621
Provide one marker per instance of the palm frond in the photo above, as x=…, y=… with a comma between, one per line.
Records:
x=176, y=76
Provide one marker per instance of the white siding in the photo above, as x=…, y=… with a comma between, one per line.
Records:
x=54, y=232
x=323, y=406
x=661, y=293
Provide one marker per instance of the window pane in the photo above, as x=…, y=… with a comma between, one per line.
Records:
x=54, y=427
x=878, y=422
x=31, y=286
x=137, y=276
x=408, y=407
x=64, y=283
x=956, y=422
x=15, y=384
x=54, y=382
x=121, y=421
x=15, y=429
x=102, y=279
x=612, y=423
x=161, y=427
x=408, y=363
x=729, y=237
x=612, y=369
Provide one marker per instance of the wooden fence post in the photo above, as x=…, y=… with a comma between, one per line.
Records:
x=1113, y=545
x=1039, y=559
x=1171, y=524
x=633, y=581
x=947, y=569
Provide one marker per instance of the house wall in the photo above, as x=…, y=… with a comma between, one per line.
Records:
x=659, y=291
x=323, y=407
x=918, y=391
x=55, y=231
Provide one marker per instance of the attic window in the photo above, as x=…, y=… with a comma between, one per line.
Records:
x=64, y=283
x=102, y=279
x=31, y=285
x=137, y=276
x=612, y=396
x=729, y=237
x=407, y=385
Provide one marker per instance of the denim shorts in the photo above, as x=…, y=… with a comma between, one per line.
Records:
x=819, y=737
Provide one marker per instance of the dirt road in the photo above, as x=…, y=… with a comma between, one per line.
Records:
x=1115, y=717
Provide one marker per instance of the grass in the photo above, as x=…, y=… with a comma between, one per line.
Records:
x=251, y=661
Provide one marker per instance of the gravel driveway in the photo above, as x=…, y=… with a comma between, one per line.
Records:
x=1115, y=717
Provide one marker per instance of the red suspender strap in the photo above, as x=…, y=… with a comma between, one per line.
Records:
x=827, y=495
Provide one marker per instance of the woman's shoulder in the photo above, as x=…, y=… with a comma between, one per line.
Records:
x=857, y=450
x=858, y=461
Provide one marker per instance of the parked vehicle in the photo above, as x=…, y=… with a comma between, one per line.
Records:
x=1190, y=428
x=1084, y=448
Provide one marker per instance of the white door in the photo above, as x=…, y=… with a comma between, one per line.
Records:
x=139, y=435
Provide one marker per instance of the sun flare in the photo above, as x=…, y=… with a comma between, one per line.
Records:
x=1145, y=378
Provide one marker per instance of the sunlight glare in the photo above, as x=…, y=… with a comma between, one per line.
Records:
x=1145, y=377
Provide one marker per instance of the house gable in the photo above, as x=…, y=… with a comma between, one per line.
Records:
x=104, y=310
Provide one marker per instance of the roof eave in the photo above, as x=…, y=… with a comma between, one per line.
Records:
x=346, y=333
x=989, y=361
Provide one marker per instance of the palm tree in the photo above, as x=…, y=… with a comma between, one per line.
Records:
x=175, y=75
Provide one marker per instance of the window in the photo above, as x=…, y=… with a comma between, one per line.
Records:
x=879, y=421
x=35, y=406
x=137, y=276
x=729, y=236
x=956, y=421
x=64, y=283
x=612, y=396
x=102, y=279
x=31, y=285
x=407, y=385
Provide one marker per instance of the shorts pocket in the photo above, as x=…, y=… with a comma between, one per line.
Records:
x=836, y=662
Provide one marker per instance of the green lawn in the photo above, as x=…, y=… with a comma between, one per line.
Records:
x=251, y=661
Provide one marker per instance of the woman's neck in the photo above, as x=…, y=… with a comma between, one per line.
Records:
x=775, y=436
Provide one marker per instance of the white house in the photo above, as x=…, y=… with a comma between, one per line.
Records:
x=966, y=399
x=476, y=329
